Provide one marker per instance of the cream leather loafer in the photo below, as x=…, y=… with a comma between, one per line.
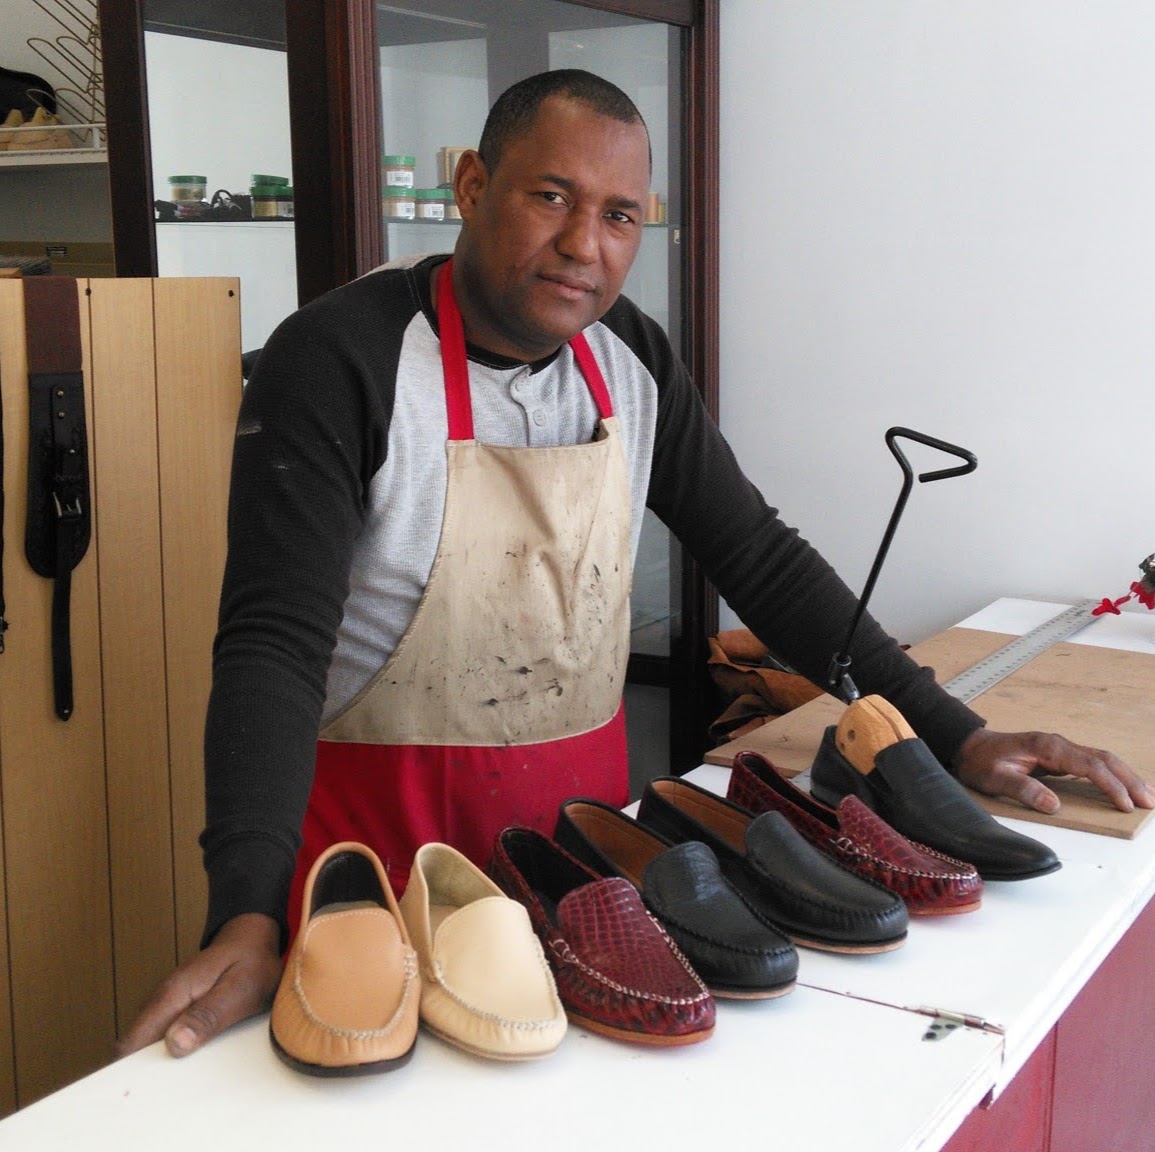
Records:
x=486, y=986
x=349, y=997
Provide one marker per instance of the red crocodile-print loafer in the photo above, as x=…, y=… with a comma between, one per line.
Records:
x=618, y=973
x=929, y=882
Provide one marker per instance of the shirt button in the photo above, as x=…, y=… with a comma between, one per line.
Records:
x=538, y=417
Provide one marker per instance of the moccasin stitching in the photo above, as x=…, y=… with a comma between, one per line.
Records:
x=849, y=848
x=409, y=978
x=485, y=1014
x=567, y=956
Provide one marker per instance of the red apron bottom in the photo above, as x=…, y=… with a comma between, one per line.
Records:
x=394, y=798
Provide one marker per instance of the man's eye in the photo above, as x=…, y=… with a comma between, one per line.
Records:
x=552, y=197
x=620, y=217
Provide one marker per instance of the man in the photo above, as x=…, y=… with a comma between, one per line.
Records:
x=439, y=478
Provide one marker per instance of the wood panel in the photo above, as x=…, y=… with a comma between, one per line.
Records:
x=198, y=343
x=13, y=406
x=103, y=888
x=53, y=789
x=125, y=474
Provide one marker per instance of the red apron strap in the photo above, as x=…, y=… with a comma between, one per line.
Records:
x=459, y=406
x=593, y=374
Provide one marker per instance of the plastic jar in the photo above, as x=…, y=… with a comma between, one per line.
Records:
x=398, y=171
x=284, y=202
x=266, y=204
x=183, y=189
x=433, y=203
x=398, y=203
x=447, y=159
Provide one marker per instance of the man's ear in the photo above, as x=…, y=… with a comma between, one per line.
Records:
x=469, y=182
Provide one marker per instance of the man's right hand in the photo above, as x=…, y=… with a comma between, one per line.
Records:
x=235, y=977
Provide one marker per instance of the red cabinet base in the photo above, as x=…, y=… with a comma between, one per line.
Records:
x=1087, y=1087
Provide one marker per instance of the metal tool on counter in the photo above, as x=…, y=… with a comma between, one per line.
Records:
x=986, y=673
x=839, y=682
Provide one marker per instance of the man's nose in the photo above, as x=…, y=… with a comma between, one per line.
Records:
x=578, y=238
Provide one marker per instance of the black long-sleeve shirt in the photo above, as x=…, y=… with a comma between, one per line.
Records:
x=334, y=517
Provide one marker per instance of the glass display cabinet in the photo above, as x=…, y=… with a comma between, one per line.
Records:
x=375, y=88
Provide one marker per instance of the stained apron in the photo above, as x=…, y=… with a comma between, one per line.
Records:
x=503, y=697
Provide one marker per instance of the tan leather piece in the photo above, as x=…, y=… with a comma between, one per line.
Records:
x=868, y=726
x=50, y=137
x=349, y=997
x=486, y=985
x=14, y=119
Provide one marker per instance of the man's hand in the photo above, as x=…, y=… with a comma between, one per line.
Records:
x=1008, y=764
x=235, y=977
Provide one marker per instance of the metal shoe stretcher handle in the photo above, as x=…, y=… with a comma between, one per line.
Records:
x=838, y=681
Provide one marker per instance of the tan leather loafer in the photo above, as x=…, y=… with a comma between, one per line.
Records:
x=486, y=986
x=349, y=997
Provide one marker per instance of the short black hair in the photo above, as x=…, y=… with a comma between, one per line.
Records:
x=516, y=108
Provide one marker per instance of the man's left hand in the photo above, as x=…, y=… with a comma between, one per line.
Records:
x=1009, y=764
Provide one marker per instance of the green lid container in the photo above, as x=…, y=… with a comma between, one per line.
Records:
x=270, y=190
x=398, y=161
x=432, y=194
x=261, y=178
x=188, y=179
x=391, y=192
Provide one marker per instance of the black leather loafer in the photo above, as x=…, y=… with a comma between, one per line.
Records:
x=784, y=880
x=736, y=954
x=918, y=797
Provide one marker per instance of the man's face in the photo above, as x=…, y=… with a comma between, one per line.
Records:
x=549, y=234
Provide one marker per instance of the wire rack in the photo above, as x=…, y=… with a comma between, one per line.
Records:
x=75, y=56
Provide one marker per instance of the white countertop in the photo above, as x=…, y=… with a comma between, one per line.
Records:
x=843, y=1053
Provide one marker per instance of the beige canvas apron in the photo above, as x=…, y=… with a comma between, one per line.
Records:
x=503, y=698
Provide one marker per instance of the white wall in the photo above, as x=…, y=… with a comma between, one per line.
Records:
x=216, y=110
x=942, y=215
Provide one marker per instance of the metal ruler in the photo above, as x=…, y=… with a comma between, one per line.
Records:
x=1022, y=650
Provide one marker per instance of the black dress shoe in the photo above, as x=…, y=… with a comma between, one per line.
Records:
x=918, y=797
x=785, y=881
x=736, y=954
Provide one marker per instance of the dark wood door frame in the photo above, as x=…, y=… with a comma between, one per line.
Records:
x=692, y=701
x=335, y=113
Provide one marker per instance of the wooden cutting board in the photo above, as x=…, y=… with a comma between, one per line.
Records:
x=1102, y=697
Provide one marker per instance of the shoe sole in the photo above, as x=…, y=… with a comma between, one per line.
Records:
x=340, y=1070
x=649, y=1038
x=847, y=949
x=988, y=875
x=488, y=1053
x=956, y=911
x=721, y=992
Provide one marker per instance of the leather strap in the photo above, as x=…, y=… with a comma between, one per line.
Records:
x=59, y=526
